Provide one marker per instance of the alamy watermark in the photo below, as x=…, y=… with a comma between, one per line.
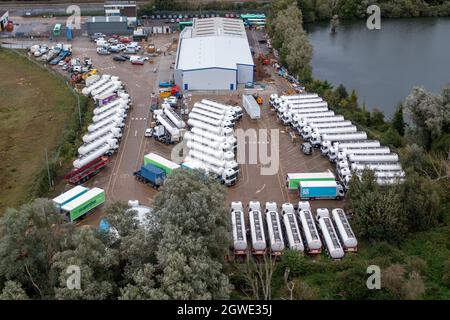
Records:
x=374, y=280
x=73, y=282
x=74, y=20
x=252, y=148
x=374, y=20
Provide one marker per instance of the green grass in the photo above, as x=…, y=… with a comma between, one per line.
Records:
x=34, y=109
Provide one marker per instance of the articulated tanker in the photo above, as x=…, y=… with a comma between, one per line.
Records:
x=174, y=117
x=238, y=226
x=210, y=121
x=256, y=228
x=114, y=118
x=110, y=105
x=313, y=243
x=390, y=157
x=307, y=131
x=88, y=147
x=292, y=229
x=222, y=146
x=378, y=166
x=329, y=234
x=168, y=125
x=347, y=236
x=116, y=86
x=227, y=156
x=89, y=81
x=236, y=109
x=207, y=127
x=214, y=161
x=87, y=90
x=317, y=139
x=212, y=115
x=114, y=111
x=301, y=120
x=274, y=227
x=104, y=88
x=117, y=133
x=105, y=149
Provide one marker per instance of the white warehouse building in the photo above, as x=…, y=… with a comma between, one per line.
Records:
x=213, y=54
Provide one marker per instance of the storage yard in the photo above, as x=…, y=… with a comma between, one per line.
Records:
x=141, y=116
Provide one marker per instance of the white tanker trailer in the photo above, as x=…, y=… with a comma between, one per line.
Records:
x=215, y=161
x=238, y=226
x=91, y=80
x=301, y=120
x=274, y=228
x=207, y=127
x=389, y=157
x=347, y=236
x=222, y=146
x=227, y=156
x=313, y=243
x=332, y=150
x=317, y=139
x=213, y=115
x=291, y=226
x=110, y=105
x=117, y=133
x=113, y=118
x=87, y=90
x=236, y=109
x=210, y=121
x=227, y=175
x=378, y=166
x=104, y=149
x=256, y=228
x=106, y=88
x=220, y=112
x=329, y=234
x=116, y=86
x=88, y=147
x=113, y=111
x=174, y=117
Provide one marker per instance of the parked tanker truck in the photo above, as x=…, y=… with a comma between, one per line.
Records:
x=301, y=120
x=318, y=140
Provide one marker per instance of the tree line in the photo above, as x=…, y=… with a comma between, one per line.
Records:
x=176, y=252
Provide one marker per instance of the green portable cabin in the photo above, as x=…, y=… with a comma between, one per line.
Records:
x=84, y=203
x=160, y=162
x=293, y=179
x=57, y=30
x=69, y=196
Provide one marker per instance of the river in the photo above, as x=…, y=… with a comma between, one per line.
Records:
x=383, y=65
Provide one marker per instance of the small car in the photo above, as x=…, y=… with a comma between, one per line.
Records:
x=119, y=58
x=61, y=63
x=102, y=51
x=148, y=132
x=65, y=66
x=306, y=148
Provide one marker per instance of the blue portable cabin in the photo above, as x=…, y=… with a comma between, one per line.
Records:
x=318, y=190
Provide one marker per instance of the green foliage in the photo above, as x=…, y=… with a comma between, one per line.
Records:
x=398, y=124
x=391, y=137
x=13, y=291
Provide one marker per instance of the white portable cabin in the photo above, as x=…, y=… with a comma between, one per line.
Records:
x=329, y=234
x=313, y=243
x=274, y=228
x=345, y=230
x=68, y=196
x=256, y=228
x=238, y=226
x=294, y=237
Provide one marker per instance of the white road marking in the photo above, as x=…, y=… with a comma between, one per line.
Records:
x=135, y=133
x=258, y=191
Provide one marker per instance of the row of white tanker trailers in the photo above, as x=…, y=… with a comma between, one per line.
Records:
x=170, y=127
x=104, y=134
x=293, y=229
x=337, y=138
x=211, y=141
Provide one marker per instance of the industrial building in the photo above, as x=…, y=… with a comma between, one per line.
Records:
x=126, y=9
x=213, y=54
x=109, y=25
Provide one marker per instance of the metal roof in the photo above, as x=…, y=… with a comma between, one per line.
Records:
x=107, y=19
x=214, y=43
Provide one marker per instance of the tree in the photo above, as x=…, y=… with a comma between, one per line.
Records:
x=192, y=225
x=341, y=92
x=334, y=23
x=13, y=291
x=299, y=54
x=397, y=121
x=429, y=114
x=97, y=264
x=259, y=276
x=378, y=212
x=29, y=239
